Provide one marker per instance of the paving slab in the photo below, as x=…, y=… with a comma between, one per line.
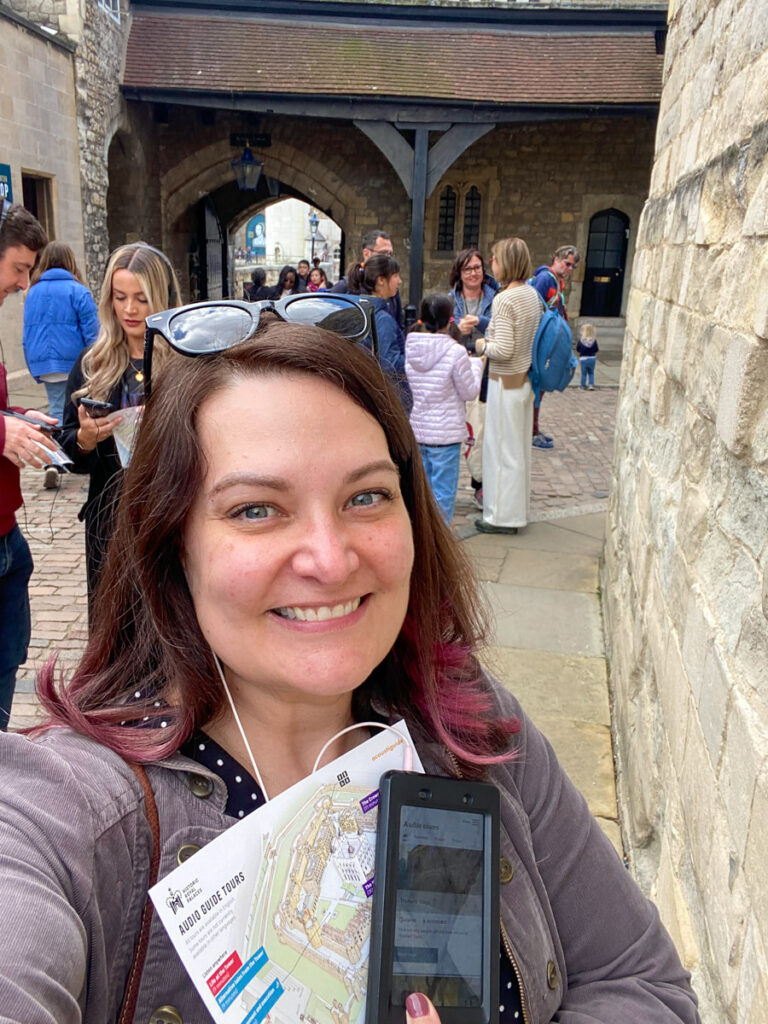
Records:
x=551, y=685
x=549, y=569
x=561, y=622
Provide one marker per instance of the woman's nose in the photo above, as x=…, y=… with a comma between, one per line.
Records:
x=326, y=552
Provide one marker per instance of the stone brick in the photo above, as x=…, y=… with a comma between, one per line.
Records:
x=746, y=749
x=745, y=377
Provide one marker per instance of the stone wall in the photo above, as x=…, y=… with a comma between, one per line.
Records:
x=38, y=135
x=98, y=67
x=686, y=562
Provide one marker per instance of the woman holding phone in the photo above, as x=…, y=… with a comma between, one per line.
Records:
x=107, y=377
x=285, y=576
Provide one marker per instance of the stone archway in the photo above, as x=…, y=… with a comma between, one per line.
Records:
x=208, y=169
x=208, y=172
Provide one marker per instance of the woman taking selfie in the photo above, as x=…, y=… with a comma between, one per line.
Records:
x=139, y=280
x=287, y=573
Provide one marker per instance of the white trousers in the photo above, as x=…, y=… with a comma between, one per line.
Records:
x=507, y=454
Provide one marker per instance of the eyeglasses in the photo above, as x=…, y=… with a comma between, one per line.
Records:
x=472, y=270
x=383, y=252
x=205, y=328
x=570, y=265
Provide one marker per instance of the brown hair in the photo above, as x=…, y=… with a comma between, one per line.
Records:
x=459, y=263
x=20, y=227
x=363, y=277
x=145, y=634
x=56, y=255
x=513, y=259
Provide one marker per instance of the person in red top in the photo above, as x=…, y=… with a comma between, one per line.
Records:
x=21, y=238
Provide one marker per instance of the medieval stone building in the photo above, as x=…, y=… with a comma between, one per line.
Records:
x=685, y=583
x=444, y=123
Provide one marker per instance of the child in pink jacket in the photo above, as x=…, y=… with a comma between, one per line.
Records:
x=442, y=377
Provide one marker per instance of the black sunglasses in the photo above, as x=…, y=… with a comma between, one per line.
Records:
x=205, y=328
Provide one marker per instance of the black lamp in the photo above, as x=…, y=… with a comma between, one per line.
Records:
x=247, y=171
x=314, y=220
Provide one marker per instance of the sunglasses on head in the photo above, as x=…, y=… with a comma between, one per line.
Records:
x=205, y=328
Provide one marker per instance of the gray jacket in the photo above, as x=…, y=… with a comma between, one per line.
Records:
x=74, y=863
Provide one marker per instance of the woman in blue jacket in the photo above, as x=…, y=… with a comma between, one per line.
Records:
x=60, y=320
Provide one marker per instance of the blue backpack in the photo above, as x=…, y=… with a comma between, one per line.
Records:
x=552, y=360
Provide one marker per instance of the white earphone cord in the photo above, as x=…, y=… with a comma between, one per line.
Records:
x=407, y=753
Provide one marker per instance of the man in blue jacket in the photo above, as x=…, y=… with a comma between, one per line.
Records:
x=550, y=283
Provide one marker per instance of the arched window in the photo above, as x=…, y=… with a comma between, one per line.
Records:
x=472, y=204
x=446, y=223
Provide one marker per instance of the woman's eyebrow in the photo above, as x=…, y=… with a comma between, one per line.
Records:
x=380, y=465
x=274, y=483
x=278, y=483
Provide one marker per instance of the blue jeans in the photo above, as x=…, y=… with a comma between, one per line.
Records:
x=442, y=463
x=15, y=629
x=57, y=392
x=588, y=370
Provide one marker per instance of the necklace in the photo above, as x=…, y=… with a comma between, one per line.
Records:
x=137, y=365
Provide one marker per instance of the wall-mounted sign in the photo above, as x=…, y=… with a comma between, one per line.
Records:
x=256, y=235
x=6, y=187
x=260, y=140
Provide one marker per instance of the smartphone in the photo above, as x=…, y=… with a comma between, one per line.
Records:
x=96, y=410
x=435, y=918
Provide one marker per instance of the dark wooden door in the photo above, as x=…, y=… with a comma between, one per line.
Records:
x=606, y=259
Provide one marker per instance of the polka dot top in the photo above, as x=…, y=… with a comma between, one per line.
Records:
x=244, y=795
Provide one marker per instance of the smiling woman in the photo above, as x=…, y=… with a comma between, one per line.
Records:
x=278, y=572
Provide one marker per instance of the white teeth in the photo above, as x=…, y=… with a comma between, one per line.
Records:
x=338, y=611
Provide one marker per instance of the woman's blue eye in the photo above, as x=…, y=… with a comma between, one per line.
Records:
x=252, y=512
x=367, y=498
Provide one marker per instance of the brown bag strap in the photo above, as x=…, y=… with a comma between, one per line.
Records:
x=142, y=942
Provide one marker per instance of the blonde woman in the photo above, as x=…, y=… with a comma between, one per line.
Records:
x=509, y=410
x=139, y=280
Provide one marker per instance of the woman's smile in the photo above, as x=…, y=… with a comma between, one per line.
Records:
x=298, y=549
x=324, y=613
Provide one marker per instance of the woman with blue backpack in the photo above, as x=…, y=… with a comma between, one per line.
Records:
x=508, y=344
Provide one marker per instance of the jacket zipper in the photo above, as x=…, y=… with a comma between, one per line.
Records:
x=516, y=969
x=505, y=938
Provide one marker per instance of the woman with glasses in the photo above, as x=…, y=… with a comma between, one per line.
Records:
x=473, y=292
x=139, y=280
x=278, y=573
x=380, y=278
x=508, y=344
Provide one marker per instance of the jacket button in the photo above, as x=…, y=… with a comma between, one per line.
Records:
x=166, y=1015
x=506, y=871
x=552, y=976
x=200, y=785
x=185, y=852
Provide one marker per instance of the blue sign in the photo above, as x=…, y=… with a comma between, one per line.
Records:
x=6, y=187
x=256, y=235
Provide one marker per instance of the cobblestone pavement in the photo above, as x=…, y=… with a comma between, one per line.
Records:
x=571, y=479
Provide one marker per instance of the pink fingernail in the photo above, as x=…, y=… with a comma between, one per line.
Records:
x=417, y=1005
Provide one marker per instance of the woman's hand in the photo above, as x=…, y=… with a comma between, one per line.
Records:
x=419, y=1010
x=467, y=323
x=479, y=346
x=91, y=430
x=23, y=441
